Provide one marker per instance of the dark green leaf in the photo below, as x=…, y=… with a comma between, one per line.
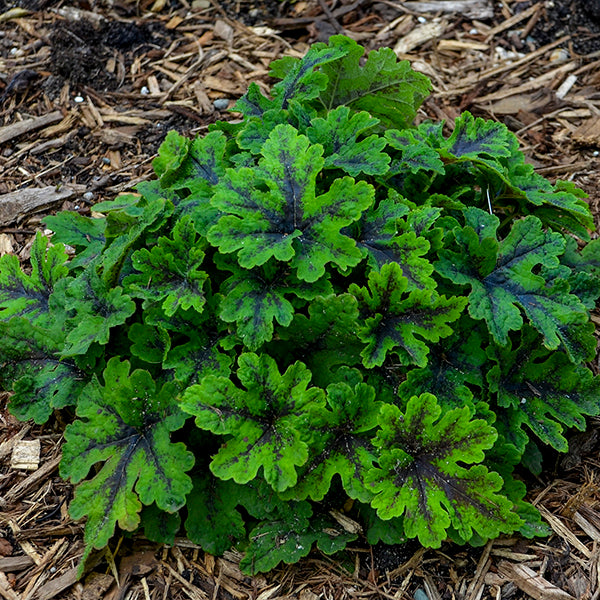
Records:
x=28, y=295
x=383, y=87
x=254, y=299
x=545, y=390
x=213, y=521
x=342, y=445
x=97, y=309
x=85, y=234
x=504, y=284
x=171, y=271
x=32, y=368
x=338, y=133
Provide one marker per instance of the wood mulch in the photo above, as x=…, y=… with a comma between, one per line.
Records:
x=89, y=89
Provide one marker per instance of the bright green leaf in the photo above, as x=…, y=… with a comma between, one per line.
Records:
x=424, y=478
x=125, y=426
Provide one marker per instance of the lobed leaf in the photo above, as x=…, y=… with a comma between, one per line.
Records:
x=171, y=271
x=422, y=477
x=383, y=87
x=342, y=445
x=254, y=299
x=544, y=390
x=398, y=317
x=33, y=369
x=125, y=425
x=288, y=222
x=213, y=521
x=266, y=421
x=28, y=295
x=97, y=308
x=85, y=234
x=338, y=133
x=504, y=284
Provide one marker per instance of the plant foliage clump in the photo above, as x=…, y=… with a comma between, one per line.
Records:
x=319, y=322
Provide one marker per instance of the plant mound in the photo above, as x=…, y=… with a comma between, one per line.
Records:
x=317, y=323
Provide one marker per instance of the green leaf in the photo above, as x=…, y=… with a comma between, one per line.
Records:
x=563, y=197
x=585, y=271
x=338, y=133
x=171, y=271
x=253, y=103
x=399, y=316
x=125, y=425
x=160, y=526
x=288, y=222
x=267, y=420
x=504, y=284
x=453, y=367
x=254, y=299
x=97, y=309
x=150, y=343
x=325, y=338
x=28, y=295
x=383, y=87
x=198, y=357
x=85, y=234
x=424, y=478
x=286, y=538
x=125, y=226
x=415, y=154
x=300, y=79
x=545, y=390
x=171, y=154
x=342, y=445
x=213, y=521
x=390, y=531
x=383, y=239
x=291, y=537
x=32, y=368
x=476, y=138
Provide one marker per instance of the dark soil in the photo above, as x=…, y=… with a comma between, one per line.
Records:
x=578, y=18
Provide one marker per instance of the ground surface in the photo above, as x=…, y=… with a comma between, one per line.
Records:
x=88, y=91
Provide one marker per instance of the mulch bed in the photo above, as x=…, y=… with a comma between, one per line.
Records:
x=89, y=89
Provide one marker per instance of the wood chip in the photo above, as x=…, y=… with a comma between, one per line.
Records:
x=10, y=132
x=419, y=36
x=531, y=583
x=11, y=564
x=96, y=585
x=14, y=206
x=52, y=588
x=473, y=9
x=26, y=455
x=18, y=490
x=562, y=531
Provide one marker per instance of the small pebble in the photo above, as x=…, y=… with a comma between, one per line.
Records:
x=78, y=99
x=144, y=91
x=559, y=55
x=422, y=19
x=420, y=594
x=473, y=31
x=221, y=103
x=88, y=196
x=596, y=153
